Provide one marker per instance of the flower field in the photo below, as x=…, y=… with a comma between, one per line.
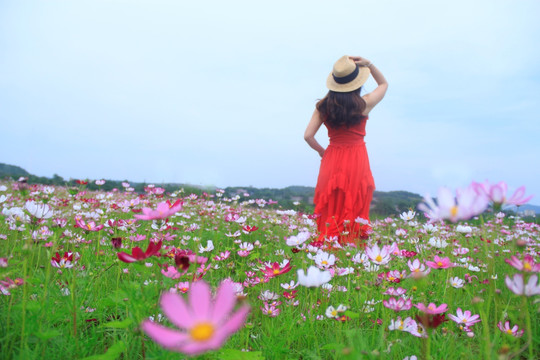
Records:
x=120, y=275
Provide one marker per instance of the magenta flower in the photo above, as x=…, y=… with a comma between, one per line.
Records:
x=439, y=263
x=432, y=308
x=204, y=324
x=514, y=331
x=465, y=319
x=163, y=211
x=398, y=305
x=518, y=286
x=137, y=254
x=527, y=264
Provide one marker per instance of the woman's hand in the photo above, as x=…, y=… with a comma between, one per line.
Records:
x=321, y=153
x=360, y=60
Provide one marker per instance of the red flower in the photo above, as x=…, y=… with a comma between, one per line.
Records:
x=275, y=269
x=248, y=229
x=290, y=295
x=81, y=182
x=137, y=254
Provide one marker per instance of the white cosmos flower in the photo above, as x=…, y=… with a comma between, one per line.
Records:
x=464, y=229
x=324, y=259
x=437, y=242
x=407, y=216
x=209, y=247
x=39, y=210
x=456, y=282
x=333, y=313
x=298, y=239
x=314, y=277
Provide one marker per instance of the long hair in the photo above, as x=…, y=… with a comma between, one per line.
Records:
x=339, y=109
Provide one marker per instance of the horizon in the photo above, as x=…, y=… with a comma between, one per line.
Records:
x=184, y=92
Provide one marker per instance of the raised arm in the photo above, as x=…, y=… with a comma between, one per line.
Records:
x=312, y=128
x=374, y=97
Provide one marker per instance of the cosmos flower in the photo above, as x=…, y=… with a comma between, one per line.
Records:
x=518, y=287
x=88, y=226
x=204, y=324
x=507, y=329
x=66, y=261
x=324, y=259
x=399, y=304
x=497, y=193
x=276, y=269
x=527, y=264
x=163, y=211
x=137, y=254
x=464, y=318
x=314, y=277
x=440, y=263
x=432, y=308
x=456, y=282
x=379, y=256
x=466, y=204
x=334, y=313
x=39, y=210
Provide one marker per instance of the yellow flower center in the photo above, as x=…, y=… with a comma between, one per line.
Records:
x=202, y=331
x=334, y=313
x=89, y=226
x=276, y=271
x=509, y=331
x=464, y=320
x=378, y=258
x=324, y=262
x=453, y=211
x=527, y=266
x=439, y=263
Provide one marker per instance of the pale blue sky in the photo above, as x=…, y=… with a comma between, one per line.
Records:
x=220, y=92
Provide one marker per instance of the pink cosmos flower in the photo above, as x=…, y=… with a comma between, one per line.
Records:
x=137, y=254
x=497, y=193
x=204, y=324
x=514, y=331
x=270, y=310
x=464, y=318
x=440, y=263
x=88, y=226
x=432, y=308
x=398, y=305
x=379, y=256
x=517, y=286
x=527, y=264
x=171, y=272
x=163, y=211
x=395, y=292
x=417, y=268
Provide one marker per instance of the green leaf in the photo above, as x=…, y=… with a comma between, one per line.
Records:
x=46, y=335
x=332, y=346
x=118, y=324
x=232, y=354
x=111, y=354
x=352, y=314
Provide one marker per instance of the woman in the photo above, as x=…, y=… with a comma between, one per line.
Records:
x=345, y=185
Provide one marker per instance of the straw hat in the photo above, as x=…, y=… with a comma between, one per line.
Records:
x=347, y=76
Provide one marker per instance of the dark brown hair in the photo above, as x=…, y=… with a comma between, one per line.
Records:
x=339, y=109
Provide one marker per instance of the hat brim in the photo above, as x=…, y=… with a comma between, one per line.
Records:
x=363, y=75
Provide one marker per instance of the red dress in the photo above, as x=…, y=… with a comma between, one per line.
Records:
x=345, y=185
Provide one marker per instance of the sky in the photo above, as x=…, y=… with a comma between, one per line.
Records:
x=220, y=92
